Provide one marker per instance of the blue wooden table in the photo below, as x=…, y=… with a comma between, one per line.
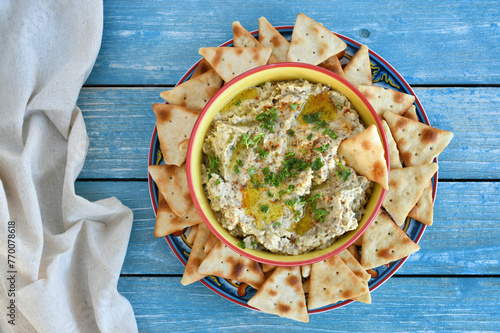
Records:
x=449, y=51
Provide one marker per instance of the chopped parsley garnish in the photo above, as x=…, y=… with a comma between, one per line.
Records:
x=239, y=162
x=251, y=171
x=310, y=136
x=213, y=165
x=303, y=151
x=330, y=133
x=277, y=224
x=317, y=164
x=291, y=203
x=264, y=208
x=268, y=118
x=253, y=243
x=319, y=214
x=238, y=102
x=247, y=141
x=256, y=183
x=281, y=192
x=265, y=171
x=322, y=148
x=261, y=85
x=313, y=200
x=269, y=194
x=236, y=169
x=290, y=154
x=242, y=244
x=291, y=188
x=217, y=182
x=290, y=132
x=258, y=137
x=312, y=118
x=217, y=197
x=345, y=173
x=262, y=152
x=293, y=106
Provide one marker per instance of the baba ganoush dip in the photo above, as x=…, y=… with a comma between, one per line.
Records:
x=271, y=170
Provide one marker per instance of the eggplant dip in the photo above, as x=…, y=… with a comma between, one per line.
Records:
x=271, y=170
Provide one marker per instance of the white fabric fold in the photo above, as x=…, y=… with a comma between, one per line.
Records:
x=66, y=253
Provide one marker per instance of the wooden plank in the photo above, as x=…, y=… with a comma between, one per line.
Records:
x=463, y=239
x=402, y=304
x=120, y=123
x=449, y=42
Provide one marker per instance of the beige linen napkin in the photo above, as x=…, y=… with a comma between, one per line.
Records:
x=60, y=255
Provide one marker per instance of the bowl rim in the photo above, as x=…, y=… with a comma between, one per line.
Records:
x=189, y=174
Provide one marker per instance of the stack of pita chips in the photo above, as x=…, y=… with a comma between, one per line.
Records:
x=412, y=147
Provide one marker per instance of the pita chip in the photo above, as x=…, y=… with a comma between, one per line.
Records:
x=353, y=249
x=405, y=188
x=333, y=65
x=384, y=242
x=243, y=38
x=312, y=43
x=229, y=62
x=196, y=256
x=167, y=222
x=174, y=125
x=223, y=262
x=365, y=154
x=305, y=270
x=267, y=268
x=364, y=298
x=172, y=183
x=202, y=67
x=305, y=286
x=195, y=92
x=192, y=234
x=270, y=37
x=358, y=70
x=393, y=148
x=333, y=281
x=424, y=208
x=211, y=241
x=411, y=113
x=417, y=142
x=384, y=100
x=282, y=294
x=354, y=265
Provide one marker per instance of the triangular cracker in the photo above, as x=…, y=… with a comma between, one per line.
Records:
x=417, y=142
x=333, y=64
x=223, y=262
x=172, y=183
x=211, y=241
x=364, y=298
x=354, y=265
x=270, y=37
x=405, y=187
x=353, y=249
x=424, y=208
x=333, y=281
x=196, y=256
x=384, y=100
x=358, y=71
x=384, y=242
x=312, y=43
x=282, y=294
x=195, y=92
x=411, y=113
x=202, y=67
x=229, y=62
x=167, y=222
x=192, y=234
x=393, y=149
x=243, y=38
x=305, y=270
x=365, y=154
x=174, y=125
x=267, y=268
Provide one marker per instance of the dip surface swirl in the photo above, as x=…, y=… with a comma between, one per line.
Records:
x=271, y=170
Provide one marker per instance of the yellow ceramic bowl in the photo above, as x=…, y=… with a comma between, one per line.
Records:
x=277, y=72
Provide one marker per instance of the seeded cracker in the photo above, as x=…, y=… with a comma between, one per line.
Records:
x=312, y=43
x=384, y=242
x=202, y=67
x=270, y=37
x=230, y=62
x=354, y=265
x=174, y=125
x=167, y=222
x=223, y=262
x=358, y=70
x=424, y=210
x=411, y=113
x=282, y=294
x=405, y=187
x=418, y=143
x=365, y=154
x=195, y=92
x=243, y=38
x=384, y=100
x=333, y=281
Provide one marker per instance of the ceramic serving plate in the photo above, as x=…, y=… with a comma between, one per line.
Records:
x=384, y=75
